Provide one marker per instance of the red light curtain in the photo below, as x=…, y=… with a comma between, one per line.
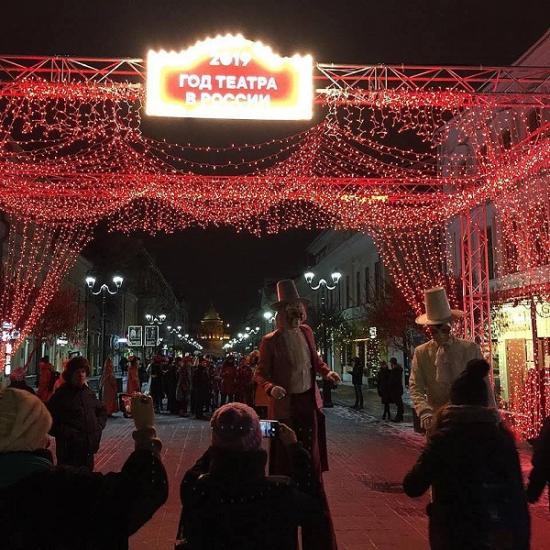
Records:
x=34, y=264
x=523, y=215
x=417, y=259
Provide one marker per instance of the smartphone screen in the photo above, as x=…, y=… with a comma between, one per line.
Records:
x=269, y=428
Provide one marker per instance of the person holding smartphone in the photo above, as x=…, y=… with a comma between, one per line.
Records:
x=227, y=499
x=43, y=506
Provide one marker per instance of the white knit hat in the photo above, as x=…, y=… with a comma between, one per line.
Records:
x=24, y=421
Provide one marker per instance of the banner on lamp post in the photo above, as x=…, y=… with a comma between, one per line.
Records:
x=229, y=77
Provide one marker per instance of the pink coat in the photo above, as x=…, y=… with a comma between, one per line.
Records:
x=275, y=367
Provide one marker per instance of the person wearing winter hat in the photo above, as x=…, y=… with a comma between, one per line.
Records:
x=227, y=500
x=24, y=421
x=78, y=417
x=437, y=363
x=472, y=465
x=35, y=494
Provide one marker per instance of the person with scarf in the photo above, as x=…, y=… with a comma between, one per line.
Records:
x=48, y=507
x=438, y=363
x=228, y=501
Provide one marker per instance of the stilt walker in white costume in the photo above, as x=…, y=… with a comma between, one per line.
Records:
x=438, y=363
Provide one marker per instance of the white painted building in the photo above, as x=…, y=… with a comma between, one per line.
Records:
x=363, y=279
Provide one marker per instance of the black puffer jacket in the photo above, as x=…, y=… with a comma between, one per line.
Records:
x=43, y=507
x=230, y=504
x=383, y=384
x=78, y=417
x=357, y=374
x=395, y=383
x=478, y=501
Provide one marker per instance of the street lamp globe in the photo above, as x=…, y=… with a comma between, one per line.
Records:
x=308, y=276
x=118, y=280
x=336, y=276
x=90, y=281
x=268, y=315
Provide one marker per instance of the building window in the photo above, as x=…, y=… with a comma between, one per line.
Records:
x=358, y=288
x=367, y=285
x=348, y=294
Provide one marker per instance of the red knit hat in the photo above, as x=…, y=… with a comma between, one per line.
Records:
x=236, y=427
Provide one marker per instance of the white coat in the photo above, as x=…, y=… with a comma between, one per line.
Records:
x=429, y=395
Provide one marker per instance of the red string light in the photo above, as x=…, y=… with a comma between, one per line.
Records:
x=72, y=154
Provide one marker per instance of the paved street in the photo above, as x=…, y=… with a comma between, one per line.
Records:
x=368, y=459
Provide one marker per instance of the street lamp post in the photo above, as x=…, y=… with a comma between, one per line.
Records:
x=269, y=318
x=153, y=320
x=104, y=290
x=323, y=284
x=247, y=338
x=156, y=319
x=174, y=331
x=309, y=276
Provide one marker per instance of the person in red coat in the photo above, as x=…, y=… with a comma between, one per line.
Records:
x=228, y=376
x=288, y=365
x=133, y=385
x=46, y=379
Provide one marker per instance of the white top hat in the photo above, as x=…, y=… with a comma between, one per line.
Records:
x=287, y=292
x=438, y=310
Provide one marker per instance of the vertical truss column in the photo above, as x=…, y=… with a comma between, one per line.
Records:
x=474, y=256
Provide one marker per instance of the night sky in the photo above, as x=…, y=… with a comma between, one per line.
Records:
x=220, y=265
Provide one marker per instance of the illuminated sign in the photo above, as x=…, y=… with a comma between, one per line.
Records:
x=229, y=77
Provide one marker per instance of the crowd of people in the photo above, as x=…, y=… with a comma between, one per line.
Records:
x=192, y=385
x=470, y=462
x=226, y=485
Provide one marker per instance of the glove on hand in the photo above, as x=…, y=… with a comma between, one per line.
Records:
x=142, y=411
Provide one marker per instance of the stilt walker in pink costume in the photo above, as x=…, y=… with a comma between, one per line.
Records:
x=288, y=365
